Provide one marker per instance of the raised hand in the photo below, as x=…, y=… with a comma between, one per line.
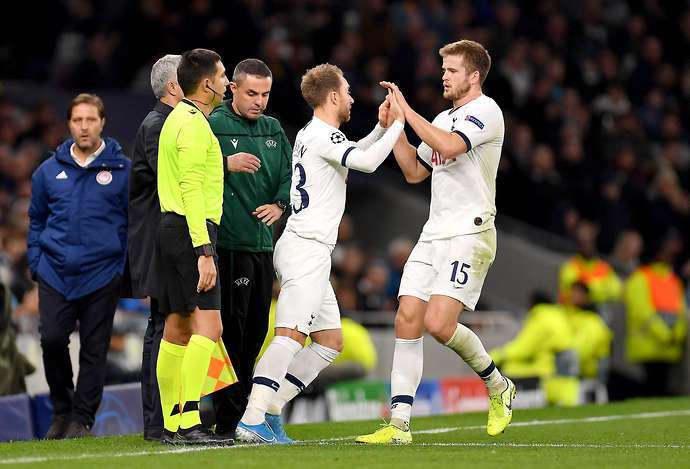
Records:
x=395, y=112
x=384, y=114
x=392, y=87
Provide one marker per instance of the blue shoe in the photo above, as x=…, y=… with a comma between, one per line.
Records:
x=276, y=424
x=256, y=434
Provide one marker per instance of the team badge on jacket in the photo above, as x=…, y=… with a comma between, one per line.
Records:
x=104, y=178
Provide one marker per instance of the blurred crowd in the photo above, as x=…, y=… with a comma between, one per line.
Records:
x=596, y=97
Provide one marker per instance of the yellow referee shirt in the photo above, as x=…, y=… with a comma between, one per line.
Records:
x=190, y=170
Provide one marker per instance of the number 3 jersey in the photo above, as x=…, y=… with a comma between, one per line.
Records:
x=319, y=171
x=463, y=190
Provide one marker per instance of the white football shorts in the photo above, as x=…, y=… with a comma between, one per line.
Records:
x=307, y=300
x=454, y=267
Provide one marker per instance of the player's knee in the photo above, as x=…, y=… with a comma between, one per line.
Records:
x=405, y=318
x=331, y=339
x=336, y=343
x=438, y=326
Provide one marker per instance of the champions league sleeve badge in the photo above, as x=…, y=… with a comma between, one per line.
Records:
x=104, y=178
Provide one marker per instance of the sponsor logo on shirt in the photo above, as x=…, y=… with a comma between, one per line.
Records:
x=437, y=159
x=234, y=142
x=270, y=143
x=62, y=175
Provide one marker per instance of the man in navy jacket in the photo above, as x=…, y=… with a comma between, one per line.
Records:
x=76, y=248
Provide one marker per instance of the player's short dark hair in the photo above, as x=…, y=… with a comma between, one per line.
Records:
x=475, y=55
x=195, y=65
x=318, y=81
x=86, y=98
x=254, y=67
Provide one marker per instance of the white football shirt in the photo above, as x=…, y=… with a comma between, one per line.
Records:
x=319, y=171
x=463, y=191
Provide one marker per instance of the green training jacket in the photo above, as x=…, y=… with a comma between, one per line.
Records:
x=244, y=192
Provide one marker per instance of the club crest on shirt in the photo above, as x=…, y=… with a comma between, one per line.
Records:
x=104, y=178
x=337, y=137
x=475, y=121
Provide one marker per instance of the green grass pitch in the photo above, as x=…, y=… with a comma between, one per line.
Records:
x=632, y=434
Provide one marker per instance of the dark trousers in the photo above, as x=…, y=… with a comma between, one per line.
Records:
x=58, y=319
x=247, y=282
x=150, y=396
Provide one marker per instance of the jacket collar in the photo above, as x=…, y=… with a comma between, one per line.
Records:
x=111, y=157
x=163, y=108
x=232, y=113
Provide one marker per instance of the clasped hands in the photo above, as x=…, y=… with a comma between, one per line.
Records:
x=393, y=107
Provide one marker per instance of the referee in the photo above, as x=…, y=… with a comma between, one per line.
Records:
x=190, y=189
x=257, y=190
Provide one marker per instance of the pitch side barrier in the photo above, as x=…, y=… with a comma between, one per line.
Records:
x=25, y=417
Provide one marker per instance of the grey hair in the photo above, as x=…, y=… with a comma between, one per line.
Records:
x=163, y=71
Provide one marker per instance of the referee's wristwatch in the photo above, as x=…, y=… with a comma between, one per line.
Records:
x=205, y=250
x=281, y=204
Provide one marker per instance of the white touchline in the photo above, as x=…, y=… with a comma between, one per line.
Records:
x=532, y=423
x=603, y=418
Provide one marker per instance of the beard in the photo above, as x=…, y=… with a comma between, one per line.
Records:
x=458, y=93
x=344, y=115
x=90, y=144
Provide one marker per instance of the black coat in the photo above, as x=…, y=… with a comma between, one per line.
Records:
x=144, y=207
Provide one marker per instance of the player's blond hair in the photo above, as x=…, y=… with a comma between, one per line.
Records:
x=318, y=81
x=476, y=56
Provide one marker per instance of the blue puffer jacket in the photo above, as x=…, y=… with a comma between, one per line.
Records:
x=78, y=232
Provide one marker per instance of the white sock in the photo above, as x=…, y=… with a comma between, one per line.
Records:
x=306, y=366
x=466, y=344
x=408, y=364
x=267, y=376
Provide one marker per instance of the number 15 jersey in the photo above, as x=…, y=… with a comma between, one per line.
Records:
x=463, y=190
x=319, y=171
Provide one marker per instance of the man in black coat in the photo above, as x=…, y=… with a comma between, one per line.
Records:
x=144, y=216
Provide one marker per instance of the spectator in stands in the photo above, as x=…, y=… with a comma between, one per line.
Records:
x=76, y=248
x=144, y=217
x=372, y=288
x=626, y=253
x=14, y=366
x=399, y=251
x=586, y=267
x=656, y=316
x=591, y=337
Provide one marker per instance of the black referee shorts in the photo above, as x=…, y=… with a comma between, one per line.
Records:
x=180, y=270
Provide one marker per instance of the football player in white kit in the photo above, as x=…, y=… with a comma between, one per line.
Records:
x=307, y=306
x=446, y=270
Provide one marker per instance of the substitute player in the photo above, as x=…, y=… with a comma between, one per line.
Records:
x=446, y=270
x=307, y=305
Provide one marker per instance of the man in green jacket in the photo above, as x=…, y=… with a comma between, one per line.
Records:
x=258, y=168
